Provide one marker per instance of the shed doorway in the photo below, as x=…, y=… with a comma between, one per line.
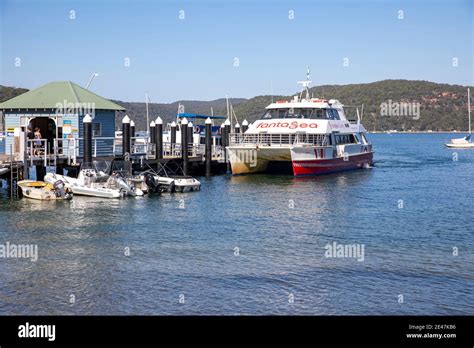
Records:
x=48, y=130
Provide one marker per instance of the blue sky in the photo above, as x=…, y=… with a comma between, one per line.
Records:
x=193, y=58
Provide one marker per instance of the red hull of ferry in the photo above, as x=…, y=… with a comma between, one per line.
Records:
x=325, y=166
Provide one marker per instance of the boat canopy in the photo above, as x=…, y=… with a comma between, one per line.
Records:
x=197, y=116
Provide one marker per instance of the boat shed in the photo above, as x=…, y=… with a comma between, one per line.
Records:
x=57, y=109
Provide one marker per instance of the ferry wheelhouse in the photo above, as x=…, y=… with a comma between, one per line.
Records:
x=303, y=136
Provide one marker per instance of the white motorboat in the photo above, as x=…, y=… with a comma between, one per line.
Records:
x=78, y=187
x=185, y=184
x=94, y=180
x=465, y=142
x=158, y=183
x=43, y=190
x=462, y=143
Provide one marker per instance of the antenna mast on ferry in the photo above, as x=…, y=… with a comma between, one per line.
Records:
x=305, y=85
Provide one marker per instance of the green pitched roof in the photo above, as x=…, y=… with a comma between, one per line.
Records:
x=46, y=97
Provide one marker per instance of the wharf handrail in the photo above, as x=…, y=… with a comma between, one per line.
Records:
x=37, y=149
x=71, y=148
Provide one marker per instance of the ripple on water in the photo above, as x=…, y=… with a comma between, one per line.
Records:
x=244, y=245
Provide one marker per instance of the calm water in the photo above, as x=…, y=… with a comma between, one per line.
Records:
x=191, y=251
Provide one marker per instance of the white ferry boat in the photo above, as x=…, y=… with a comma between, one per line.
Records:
x=304, y=136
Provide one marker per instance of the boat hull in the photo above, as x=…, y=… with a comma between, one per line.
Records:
x=282, y=160
x=40, y=191
x=332, y=165
x=95, y=192
x=249, y=160
x=460, y=146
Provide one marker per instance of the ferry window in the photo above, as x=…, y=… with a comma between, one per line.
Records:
x=268, y=114
x=305, y=113
x=330, y=114
x=364, y=139
x=282, y=113
x=96, y=129
x=357, y=138
x=319, y=113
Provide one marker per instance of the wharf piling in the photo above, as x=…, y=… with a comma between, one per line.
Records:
x=184, y=145
x=173, y=134
x=87, y=144
x=208, y=146
x=245, y=126
x=152, y=134
x=159, y=138
x=126, y=136
x=227, y=141
x=132, y=133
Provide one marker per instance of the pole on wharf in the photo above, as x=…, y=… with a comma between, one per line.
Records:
x=190, y=132
x=126, y=135
x=159, y=138
x=172, y=138
x=152, y=135
x=222, y=131
x=208, y=146
x=184, y=145
x=237, y=128
x=227, y=141
x=132, y=133
x=245, y=126
x=87, y=145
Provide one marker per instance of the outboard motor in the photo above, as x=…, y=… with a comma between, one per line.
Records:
x=123, y=185
x=151, y=182
x=60, y=189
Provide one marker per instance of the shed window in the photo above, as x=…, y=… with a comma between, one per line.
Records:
x=96, y=129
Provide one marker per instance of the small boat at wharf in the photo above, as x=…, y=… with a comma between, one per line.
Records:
x=157, y=183
x=41, y=190
x=94, y=180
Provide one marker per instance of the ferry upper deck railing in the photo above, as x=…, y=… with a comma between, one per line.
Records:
x=265, y=139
